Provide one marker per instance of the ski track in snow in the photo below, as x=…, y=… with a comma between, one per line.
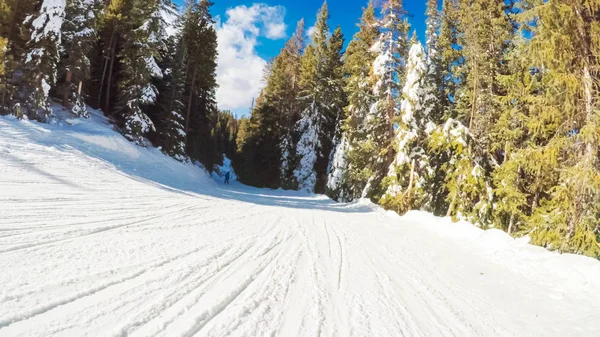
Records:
x=101, y=238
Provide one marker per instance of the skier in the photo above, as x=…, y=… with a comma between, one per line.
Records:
x=227, y=178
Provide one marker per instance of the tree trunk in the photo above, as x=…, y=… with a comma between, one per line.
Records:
x=510, y=223
x=106, y=63
x=189, y=106
x=474, y=100
x=67, y=90
x=112, y=51
x=451, y=207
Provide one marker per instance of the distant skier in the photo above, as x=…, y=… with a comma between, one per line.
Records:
x=227, y=175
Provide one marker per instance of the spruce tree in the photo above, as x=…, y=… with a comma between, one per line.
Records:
x=449, y=60
x=282, y=92
x=322, y=87
x=389, y=69
x=200, y=41
x=347, y=174
x=170, y=121
x=114, y=22
x=563, y=119
x=335, y=101
x=409, y=177
x=41, y=56
x=307, y=126
x=138, y=67
x=79, y=39
x=13, y=14
x=485, y=30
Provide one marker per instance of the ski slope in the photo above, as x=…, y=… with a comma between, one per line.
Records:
x=102, y=238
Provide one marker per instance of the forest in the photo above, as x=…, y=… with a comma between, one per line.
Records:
x=493, y=119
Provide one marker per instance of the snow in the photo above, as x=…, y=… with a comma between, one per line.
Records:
x=99, y=237
x=338, y=164
x=49, y=21
x=412, y=92
x=153, y=67
x=169, y=16
x=306, y=149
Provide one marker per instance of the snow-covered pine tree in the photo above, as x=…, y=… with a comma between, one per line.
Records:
x=79, y=39
x=335, y=100
x=138, y=67
x=389, y=68
x=12, y=16
x=308, y=125
x=483, y=29
x=347, y=176
x=433, y=24
x=170, y=123
x=322, y=89
x=435, y=76
x=409, y=177
x=307, y=147
x=39, y=69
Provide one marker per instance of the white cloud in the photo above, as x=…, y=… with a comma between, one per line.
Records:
x=310, y=31
x=240, y=69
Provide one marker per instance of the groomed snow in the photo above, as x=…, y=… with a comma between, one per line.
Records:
x=99, y=237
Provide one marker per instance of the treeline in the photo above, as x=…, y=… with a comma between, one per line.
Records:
x=155, y=78
x=495, y=120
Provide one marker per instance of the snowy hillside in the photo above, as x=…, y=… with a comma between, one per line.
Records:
x=99, y=237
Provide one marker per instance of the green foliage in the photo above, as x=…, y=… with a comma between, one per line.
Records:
x=200, y=42
x=78, y=41
x=257, y=161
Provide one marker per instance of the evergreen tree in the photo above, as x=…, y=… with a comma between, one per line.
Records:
x=282, y=92
x=433, y=24
x=170, y=123
x=435, y=68
x=485, y=30
x=79, y=38
x=322, y=85
x=13, y=14
x=39, y=68
x=114, y=22
x=347, y=175
x=200, y=41
x=409, y=177
x=449, y=60
x=562, y=116
x=257, y=162
x=389, y=69
x=138, y=67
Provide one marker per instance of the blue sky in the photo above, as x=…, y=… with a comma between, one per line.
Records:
x=345, y=13
x=252, y=32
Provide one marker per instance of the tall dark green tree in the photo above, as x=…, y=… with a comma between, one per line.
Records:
x=138, y=67
x=200, y=41
x=283, y=93
x=347, y=176
x=389, y=69
x=322, y=92
x=78, y=41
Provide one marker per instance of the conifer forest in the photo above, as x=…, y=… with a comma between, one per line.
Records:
x=494, y=118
